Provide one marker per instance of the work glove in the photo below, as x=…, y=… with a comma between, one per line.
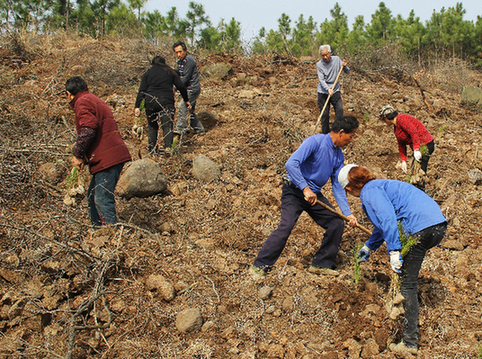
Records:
x=404, y=166
x=364, y=254
x=396, y=261
x=417, y=155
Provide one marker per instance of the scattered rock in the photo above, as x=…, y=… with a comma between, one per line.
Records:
x=160, y=284
x=205, y=169
x=472, y=96
x=452, y=244
x=142, y=178
x=354, y=348
x=218, y=70
x=189, y=320
x=265, y=292
x=288, y=304
x=475, y=176
x=370, y=349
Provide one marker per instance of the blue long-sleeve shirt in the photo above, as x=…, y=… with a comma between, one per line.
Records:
x=314, y=163
x=387, y=202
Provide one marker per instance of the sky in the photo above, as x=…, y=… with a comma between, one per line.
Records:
x=254, y=14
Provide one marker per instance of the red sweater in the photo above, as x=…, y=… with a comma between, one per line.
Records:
x=107, y=149
x=410, y=132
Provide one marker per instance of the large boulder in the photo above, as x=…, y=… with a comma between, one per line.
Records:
x=143, y=178
x=205, y=169
x=472, y=96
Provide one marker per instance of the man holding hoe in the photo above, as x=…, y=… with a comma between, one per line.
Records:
x=318, y=159
x=329, y=69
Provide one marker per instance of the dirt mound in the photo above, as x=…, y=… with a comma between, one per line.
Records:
x=69, y=292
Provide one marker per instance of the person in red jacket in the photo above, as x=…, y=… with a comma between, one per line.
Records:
x=409, y=132
x=100, y=146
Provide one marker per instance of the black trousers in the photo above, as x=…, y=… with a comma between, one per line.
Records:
x=292, y=205
x=159, y=111
x=337, y=104
x=412, y=262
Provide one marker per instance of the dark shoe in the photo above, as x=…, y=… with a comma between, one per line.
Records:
x=323, y=271
x=199, y=132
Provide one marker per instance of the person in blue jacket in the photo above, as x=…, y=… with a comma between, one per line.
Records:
x=318, y=159
x=386, y=203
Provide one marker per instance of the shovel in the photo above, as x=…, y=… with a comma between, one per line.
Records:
x=343, y=216
x=328, y=99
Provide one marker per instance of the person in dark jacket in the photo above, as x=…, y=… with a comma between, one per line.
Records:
x=100, y=146
x=156, y=89
x=387, y=203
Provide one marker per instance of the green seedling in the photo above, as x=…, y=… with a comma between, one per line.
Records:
x=72, y=178
x=407, y=241
x=366, y=116
x=174, y=145
x=424, y=150
x=141, y=107
x=440, y=130
x=356, y=263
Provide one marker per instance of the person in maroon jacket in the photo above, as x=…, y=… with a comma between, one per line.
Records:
x=100, y=146
x=409, y=132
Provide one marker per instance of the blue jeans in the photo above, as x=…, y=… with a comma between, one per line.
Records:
x=427, y=238
x=100, y=196
x=337, y=103
x=185, y=115
x=292, y=205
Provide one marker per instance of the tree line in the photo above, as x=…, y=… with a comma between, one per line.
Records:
x=445, y=34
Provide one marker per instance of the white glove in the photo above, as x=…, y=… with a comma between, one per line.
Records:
x=396, y=261
x=418, y=155
x=364, y=253
x=404, y=166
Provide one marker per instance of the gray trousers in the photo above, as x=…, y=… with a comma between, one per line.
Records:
x=186, y=117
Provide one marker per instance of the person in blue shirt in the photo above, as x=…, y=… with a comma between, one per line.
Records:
x=386, y=203
x=318, y=159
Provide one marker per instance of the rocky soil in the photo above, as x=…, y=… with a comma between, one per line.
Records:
x=172, y=281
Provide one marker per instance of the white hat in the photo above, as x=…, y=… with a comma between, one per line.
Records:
x=386, y=110
x=343, y=175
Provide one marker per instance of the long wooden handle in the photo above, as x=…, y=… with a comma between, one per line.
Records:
x=328, y=98
x=343, y=216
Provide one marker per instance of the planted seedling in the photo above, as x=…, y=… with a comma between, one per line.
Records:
x=394, y=295
x=356, y=263
x=138, y=129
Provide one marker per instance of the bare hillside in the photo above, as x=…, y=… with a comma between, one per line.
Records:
x=67, y=291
